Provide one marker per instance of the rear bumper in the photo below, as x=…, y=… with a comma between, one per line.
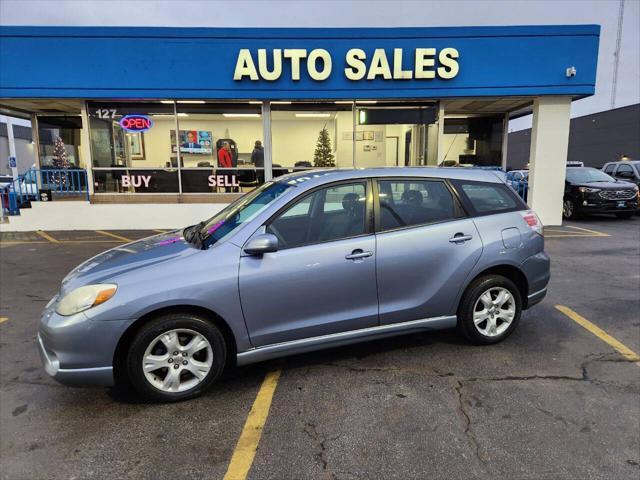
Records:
x=536, y=297
x=537, y=269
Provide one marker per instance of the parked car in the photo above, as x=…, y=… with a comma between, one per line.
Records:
x=312, y=260
x=627, y=171
x=588, y=190
x=518, y=175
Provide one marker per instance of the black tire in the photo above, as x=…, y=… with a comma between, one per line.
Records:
x=150, y=332
x=624, y=214
x=479, y=286
x=569, y=209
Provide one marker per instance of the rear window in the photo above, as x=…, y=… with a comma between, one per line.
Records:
x=487, y=198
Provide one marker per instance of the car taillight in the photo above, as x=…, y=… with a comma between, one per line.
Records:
x=532, y=220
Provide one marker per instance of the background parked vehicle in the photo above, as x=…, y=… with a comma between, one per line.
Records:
x=311, y=261
x=627, y=171
x=588, y=190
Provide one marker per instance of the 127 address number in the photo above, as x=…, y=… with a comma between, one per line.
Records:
x=106, y=112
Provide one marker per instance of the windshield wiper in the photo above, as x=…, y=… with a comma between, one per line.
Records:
x=194, y=235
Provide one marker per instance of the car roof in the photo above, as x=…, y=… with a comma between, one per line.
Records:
x=319, y=177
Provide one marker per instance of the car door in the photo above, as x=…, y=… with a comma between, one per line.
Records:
x=425, y=248
x=322, y=278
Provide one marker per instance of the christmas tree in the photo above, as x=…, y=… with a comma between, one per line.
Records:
x=60, y=159
x=323, y=157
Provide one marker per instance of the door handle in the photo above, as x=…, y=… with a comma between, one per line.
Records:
x=356, y=254
x=460, y=238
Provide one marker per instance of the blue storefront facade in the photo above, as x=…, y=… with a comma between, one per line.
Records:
x=214, y=112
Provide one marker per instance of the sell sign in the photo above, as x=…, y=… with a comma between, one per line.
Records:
x=136, y=123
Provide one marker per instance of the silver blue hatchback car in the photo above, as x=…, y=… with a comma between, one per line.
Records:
x=305, y=262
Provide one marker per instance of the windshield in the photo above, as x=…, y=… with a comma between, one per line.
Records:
x=586, y=175
x=241, y=211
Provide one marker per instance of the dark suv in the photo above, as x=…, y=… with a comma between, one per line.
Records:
x=588, y=190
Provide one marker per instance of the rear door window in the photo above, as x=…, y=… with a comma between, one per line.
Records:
x=610, y=168
x=489, y=198
x=411, y=202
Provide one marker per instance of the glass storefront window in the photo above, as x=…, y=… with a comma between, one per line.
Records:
x=198, y=146
x=131, y=147
x=396, y=134
x=311, y=135
x=473, y=140
x=221, y=146
x=65, y=129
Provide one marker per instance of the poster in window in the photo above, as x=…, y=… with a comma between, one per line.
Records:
x=136, y=145
x=196, y=142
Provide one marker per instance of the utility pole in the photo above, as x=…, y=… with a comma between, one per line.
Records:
x=614, y=85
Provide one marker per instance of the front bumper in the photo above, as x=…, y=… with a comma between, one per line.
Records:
x=590, y=205
x=77, y=350
x=75, y=377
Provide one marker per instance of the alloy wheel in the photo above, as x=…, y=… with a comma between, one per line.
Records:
x=177, y=360
x=494, y=311
x=567, y=209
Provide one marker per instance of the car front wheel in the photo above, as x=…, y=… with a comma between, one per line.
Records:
x=175, y=357
x=569, y=210
x=490, y=310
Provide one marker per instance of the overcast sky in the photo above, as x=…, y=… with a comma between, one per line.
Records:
x=363, y=13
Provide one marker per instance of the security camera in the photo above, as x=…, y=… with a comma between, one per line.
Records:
x=571, y=72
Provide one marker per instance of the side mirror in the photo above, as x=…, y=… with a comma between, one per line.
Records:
x=260, y=244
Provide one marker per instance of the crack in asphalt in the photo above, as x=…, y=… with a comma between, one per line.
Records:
x=312, y=431
x=462, y=381
x=467, y=427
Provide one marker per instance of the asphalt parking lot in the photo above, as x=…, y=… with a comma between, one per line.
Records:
x=557, y=400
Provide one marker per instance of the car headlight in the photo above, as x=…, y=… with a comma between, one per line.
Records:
x=86, y=297
x=589, y=190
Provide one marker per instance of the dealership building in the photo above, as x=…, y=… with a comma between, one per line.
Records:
x=165, y=121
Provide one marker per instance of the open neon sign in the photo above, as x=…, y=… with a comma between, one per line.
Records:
x=136, y=123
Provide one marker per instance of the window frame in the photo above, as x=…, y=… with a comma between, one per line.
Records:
x=613, y=168
x=468, y=205
x=368, y=212
x=458, y=205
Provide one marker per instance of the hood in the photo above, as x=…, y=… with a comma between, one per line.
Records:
x=149, y=251
x=607, y=185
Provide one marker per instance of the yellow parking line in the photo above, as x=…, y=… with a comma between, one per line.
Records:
x=625, y=351
x=113, y=235
x=574, y=235
x=245, y=450
x=3, y=319
x=161, y=231
x=46, y=236
x=20, y=242
x=593, y=232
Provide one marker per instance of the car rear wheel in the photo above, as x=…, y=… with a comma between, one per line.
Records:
x=175, y=357
x=490, y=310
